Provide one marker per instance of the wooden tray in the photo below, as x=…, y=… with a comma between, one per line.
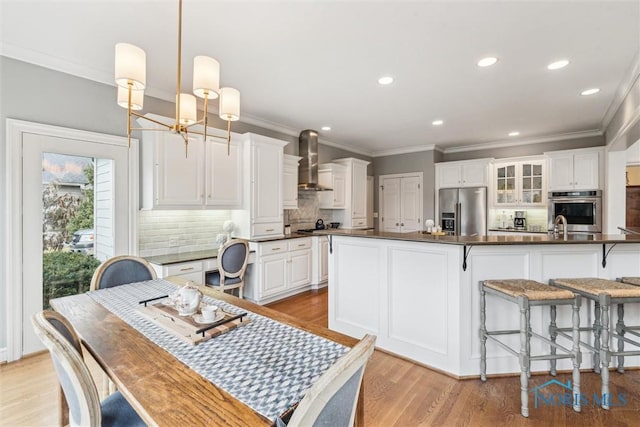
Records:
x=185, y=327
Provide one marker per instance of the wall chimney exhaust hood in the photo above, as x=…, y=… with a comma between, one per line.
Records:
x=308, y=168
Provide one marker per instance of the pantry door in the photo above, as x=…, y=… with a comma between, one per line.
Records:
x=115, y=205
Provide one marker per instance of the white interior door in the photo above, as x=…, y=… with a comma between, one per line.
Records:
x=390, y=192
x=411, y=204
x=115, y=179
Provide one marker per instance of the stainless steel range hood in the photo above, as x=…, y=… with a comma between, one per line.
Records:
x=308, y=167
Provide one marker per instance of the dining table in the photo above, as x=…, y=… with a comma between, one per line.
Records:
x=249, y=376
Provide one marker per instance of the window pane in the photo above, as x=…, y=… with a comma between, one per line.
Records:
x=526, y=183
x=537, y=170
x=511, y=171
x=526, y=170
x=537, y=183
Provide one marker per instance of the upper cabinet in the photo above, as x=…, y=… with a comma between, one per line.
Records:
x=290, y=182
x=575, y=169
x=468, y=173
x=261, y=215
x=200, y=175
x=354, y=214
x=333, y=176
x=519, y=182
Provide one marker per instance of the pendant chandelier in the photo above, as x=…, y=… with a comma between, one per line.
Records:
x=130, y=74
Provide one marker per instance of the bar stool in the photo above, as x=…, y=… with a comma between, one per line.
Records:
x=528, y=293
x=603, y=293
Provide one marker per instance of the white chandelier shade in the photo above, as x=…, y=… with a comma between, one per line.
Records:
x=206, y=77
x=229, y=104
x=131, y=66
x=137, y=98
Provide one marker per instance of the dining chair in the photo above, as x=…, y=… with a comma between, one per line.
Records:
x=121, y=270
x=81, y=406
x=233, y=257
x=333, y=398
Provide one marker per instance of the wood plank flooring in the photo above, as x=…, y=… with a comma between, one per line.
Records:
x=397, y=392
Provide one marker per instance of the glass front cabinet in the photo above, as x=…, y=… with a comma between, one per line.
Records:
x=520, y=183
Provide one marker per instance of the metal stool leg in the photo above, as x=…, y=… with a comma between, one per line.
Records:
x=597, y=326
x=553, y=333
x=483, y=333
x=620, y=331
x=523, y=302
x=605, y=301
x=577, y=356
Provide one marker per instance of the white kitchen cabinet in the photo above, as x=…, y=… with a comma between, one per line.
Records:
x=354, y=214
x=333, y=176
x=290, y=182
x=320, y=261
x=261, y=215
x=283, y=268
x=519, y=182
x=223, y=174
x=191, y=270
x=198, y=176
x=575, y=169
x=467, y=173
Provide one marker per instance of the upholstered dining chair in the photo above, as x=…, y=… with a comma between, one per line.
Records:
x=81, y=396
x=332, y=399
x=121, y=270
x=233, y=257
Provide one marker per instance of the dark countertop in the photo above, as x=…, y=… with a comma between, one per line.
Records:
x=515, y=230
x=210, y=253
x=182, y=257
x=293, y=235
x=515, y=239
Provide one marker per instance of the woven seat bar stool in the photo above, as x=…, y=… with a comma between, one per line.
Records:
x=603, y=293
x=528, y=293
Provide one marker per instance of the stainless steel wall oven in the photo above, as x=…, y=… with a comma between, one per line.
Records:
x=583, y=210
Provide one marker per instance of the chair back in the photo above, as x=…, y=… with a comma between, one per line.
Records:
x=233, y=257
x=332, y=400
x=80, y=391
x=121, y=270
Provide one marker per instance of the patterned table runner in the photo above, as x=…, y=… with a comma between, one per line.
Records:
x=267, y=365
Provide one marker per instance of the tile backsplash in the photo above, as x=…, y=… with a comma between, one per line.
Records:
x=168, y=232
x=307, y=213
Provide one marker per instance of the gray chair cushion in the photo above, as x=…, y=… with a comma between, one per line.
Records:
x=337, y=411
x=69, y=335
x=233, y=258
x=116, y=411
x=122, y=272
x=213, y=278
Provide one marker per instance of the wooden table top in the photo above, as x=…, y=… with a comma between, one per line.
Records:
x=162, y=389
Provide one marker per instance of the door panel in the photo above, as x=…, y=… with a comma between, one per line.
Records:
x=410, y=204
x=391, y=204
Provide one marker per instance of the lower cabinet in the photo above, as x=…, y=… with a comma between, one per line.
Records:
x=320, y=253
x=192, y=270
x=282, y=268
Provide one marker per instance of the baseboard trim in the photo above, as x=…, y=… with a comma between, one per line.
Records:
x=3, y=354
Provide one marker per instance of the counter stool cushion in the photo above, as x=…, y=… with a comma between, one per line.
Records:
x=533, y=290
x=631, y=280
x=593, y=286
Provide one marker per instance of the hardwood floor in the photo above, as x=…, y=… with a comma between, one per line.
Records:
x=397, y=392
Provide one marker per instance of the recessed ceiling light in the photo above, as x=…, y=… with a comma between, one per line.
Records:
x=558, y=64
x=516, y=133
x=437, y=122
x=386, y=80
x=488, y=61
x=590, y=91
x=326, y=127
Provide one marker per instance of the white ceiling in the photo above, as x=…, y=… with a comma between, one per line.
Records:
x=305, y=64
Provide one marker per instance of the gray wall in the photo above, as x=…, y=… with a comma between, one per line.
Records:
x=525, y=150
x=422, y=161
x=37, y=94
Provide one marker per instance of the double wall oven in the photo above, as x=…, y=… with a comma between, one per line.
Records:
x=582, y=209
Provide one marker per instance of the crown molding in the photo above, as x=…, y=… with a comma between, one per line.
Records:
x=405, y=150
x=625, y=86
x=506, y=143
x=352, y=149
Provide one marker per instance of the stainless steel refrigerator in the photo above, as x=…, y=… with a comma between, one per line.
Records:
x=463, y=211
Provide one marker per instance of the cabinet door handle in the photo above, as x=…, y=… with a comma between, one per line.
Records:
x=402, y=224
x=269, y=229
x=301, y=244
x=186, y=269
x=275, y=249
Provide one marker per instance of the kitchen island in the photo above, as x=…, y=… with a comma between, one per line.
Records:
x=419, y=293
